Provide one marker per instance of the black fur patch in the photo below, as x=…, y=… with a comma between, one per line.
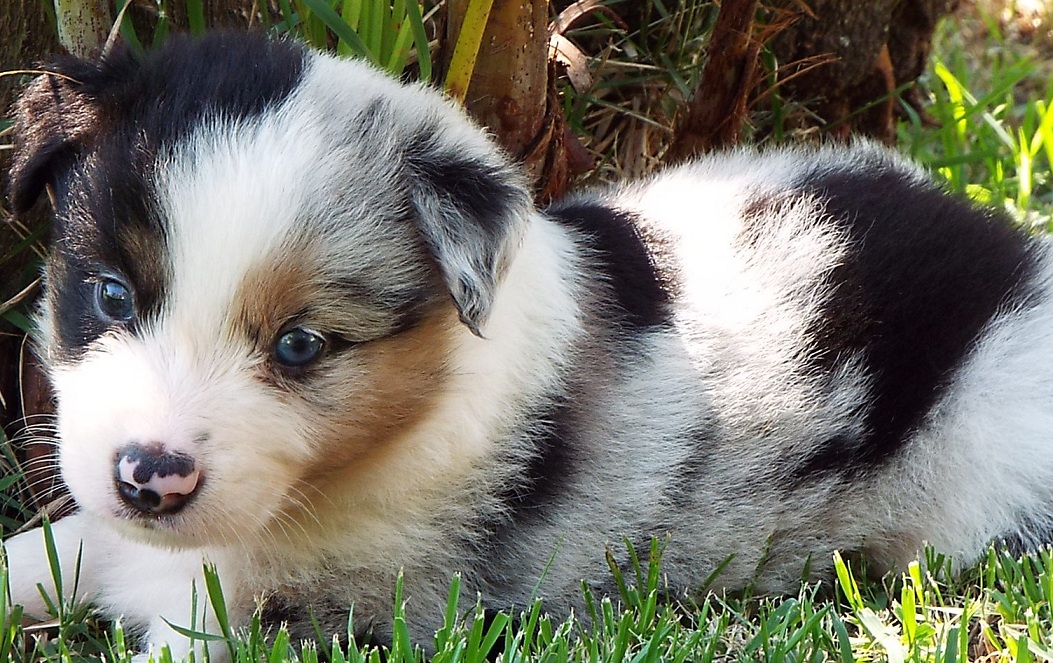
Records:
x=1028, y=538
x=106, y=224
x=147, y=104
x=925, y=272
x=641, y=291
x=479, y=190
x=548, y=471
x=171, y=92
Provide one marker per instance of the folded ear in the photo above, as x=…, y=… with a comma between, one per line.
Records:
x=56, y=119
x=472, y=210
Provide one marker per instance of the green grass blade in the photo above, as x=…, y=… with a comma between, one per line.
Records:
x=400, y=50
x=466, y=50
x=53, y=563
x=420, y=40
x=289, y=17
x=352, y=13
x=373, y=27
x=340, y=28
x=195, y=16
x=401, y=645
x=394, y=16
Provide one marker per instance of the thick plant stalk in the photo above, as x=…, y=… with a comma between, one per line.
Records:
x=83, y=25
x=469, y=37
x=718, y=110
x=509, y=83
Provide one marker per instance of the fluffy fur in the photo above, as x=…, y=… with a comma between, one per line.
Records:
x=762, y=357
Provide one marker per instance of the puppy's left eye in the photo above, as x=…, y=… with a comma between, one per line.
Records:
x=298, y=347
x=114, y=300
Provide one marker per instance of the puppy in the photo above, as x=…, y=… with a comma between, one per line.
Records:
x=304, y=323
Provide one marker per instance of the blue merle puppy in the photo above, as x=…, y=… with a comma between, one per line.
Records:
x=304, y=323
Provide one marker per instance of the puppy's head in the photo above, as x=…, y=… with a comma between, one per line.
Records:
x=259, y=259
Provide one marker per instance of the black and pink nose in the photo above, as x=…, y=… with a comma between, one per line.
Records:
x=154, y=481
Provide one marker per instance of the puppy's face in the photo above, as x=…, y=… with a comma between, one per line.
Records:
x=255, y=278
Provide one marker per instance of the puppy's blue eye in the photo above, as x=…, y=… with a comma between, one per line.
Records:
x=298, y=347
x=115, y=300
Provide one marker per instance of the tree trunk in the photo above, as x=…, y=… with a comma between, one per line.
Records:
x=718, y=109
x=28, y=38
x=511, y=90
x=83, y=25
x=868, y=49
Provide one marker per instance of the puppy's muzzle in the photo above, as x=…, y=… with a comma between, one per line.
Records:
x=153, y=481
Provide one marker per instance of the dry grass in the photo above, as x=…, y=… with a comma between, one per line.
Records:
x=638, y=80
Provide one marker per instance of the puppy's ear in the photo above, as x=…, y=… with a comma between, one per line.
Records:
x=472, y=210
x=56, y=119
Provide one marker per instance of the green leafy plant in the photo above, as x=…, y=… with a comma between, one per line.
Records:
x=466, y=50
x=384, y=32
x=984, y=128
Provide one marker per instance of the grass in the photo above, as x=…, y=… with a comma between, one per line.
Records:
x=987, y=129
x=638, y=82
x=1000, y=610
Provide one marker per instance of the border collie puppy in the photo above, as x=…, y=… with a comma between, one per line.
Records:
x=304, y=323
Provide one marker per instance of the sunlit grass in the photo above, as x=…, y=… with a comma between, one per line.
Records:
x=999, y=610
x=988, y=125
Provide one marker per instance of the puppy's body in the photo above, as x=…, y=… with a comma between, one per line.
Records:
x=763, y=357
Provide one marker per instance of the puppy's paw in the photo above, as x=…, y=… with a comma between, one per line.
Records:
x=29, y=568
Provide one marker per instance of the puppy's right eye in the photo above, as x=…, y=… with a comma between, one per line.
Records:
x=298, y=347
x=114, y=300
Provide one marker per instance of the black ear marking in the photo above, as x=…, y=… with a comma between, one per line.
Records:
x=53, y=120
x=57, y=118
x=153, y=101
x=471, y=209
